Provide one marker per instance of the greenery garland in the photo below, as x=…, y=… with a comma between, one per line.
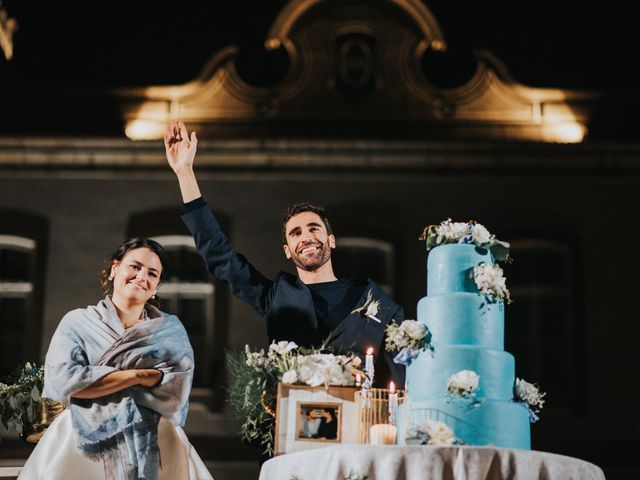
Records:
x=20, y=393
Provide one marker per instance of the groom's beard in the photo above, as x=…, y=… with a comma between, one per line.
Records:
x=312, y=262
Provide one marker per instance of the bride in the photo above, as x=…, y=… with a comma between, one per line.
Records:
x=123, y=369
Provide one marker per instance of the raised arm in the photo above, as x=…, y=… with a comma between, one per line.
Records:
x=222, y=261
x=181, y=151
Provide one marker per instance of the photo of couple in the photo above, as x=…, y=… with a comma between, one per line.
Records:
x=319, y=422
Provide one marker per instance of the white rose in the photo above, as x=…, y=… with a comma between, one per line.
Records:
x=480, y=234
x=529, y=393
x=459, y=230
x=414, y=329
x=356, y=362
x=290, y=376
x=465, y=380
x=305, y=370
x=439, y=433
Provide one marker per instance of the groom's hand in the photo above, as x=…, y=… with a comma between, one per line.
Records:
x=179, y=147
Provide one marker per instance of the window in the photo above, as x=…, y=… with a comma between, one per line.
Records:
x=361, y=257
x=541, y=324
x=189, y=293
x=17, y=302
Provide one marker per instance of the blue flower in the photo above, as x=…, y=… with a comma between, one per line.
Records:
x=406, y=356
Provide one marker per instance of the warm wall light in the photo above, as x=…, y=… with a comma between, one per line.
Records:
x=570, y=132
x=144, y=130
x=567, y=132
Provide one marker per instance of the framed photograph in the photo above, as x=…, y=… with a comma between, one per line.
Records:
x=314, y=417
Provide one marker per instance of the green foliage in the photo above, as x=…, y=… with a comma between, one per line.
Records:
x=19, y=397
x=246, y=396
x=256, y=375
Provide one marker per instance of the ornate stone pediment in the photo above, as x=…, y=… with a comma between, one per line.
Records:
x=355, y=69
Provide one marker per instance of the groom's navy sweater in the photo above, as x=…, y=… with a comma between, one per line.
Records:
x=289, y=308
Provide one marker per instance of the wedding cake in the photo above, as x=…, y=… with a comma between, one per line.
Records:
x=466, y=381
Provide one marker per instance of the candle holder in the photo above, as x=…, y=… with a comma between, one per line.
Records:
x=373, y=410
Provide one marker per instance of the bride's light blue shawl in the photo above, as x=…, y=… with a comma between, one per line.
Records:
x=121, y=428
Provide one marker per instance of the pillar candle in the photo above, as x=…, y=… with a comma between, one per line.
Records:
x=393, y=403
x=368, y=368
x=382, y=434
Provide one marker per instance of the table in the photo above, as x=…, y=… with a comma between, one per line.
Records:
x=421, y=462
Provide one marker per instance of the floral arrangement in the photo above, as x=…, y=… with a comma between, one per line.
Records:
x=432, y=432
x=530, y=396
x=491, y=282
x=19, y=397
x=252, y=390
x=410, y=338
x=470, y=232
x=463, y=384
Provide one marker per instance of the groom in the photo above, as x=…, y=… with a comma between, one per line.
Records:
x=306, y=308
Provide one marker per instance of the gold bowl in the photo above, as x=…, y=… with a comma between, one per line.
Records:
x=49, y=410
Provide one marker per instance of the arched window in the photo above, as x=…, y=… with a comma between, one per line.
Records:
x=17, y=301
x=542, y=328
x=189, y=293
x=362, y=257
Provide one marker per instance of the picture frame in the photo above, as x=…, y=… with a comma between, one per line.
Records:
x=314, y=417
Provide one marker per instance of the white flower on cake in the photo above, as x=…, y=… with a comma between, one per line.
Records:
x=470, y=232
x=530, y=395
x=414, y=329
x=432, y=432
x=480, y=235
x=491, y=282
x=410, y=338
x=463, y=384
x=369, y=309
x=449, y=231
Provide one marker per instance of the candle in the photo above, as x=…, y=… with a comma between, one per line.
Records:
x=368, y=368
x=393, y=403
x=358, y=379
x=382, y=434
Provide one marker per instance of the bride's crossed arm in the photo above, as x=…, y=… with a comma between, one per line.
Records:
x=115, y=381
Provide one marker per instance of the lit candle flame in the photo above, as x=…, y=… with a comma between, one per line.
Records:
x=370, y=351
x=392, y=387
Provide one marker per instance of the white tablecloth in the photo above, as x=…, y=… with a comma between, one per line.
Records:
x=419, y=462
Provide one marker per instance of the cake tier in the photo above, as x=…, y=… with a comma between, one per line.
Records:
x=449, y=268
x=428, y=374
x=501, y=423
x=463, y=319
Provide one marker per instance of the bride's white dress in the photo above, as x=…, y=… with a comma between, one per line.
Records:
x=56, y=456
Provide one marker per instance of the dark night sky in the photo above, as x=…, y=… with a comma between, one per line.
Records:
x=118, y=43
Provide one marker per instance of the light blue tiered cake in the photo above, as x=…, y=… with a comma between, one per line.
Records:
x=467, y=335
